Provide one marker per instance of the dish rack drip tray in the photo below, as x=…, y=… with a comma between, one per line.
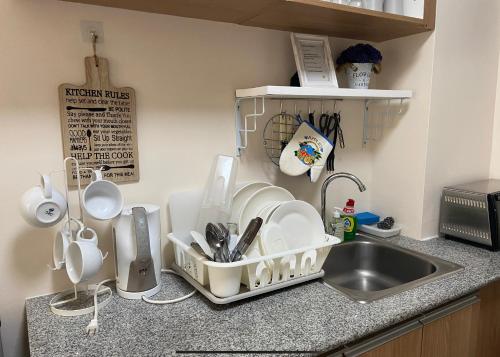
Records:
x=244, y=291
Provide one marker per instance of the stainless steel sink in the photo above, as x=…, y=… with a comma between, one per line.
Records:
x=368, y=269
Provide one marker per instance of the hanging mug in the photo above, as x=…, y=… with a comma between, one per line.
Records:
x=102, y=199
x=62, y=240
x=43, y=206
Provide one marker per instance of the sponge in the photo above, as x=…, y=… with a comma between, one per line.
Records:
x=367, y=218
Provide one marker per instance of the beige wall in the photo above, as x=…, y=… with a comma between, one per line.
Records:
x=463, y=100
x=399, y=156
x=495, y=146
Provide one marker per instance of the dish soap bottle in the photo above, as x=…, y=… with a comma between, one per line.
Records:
x=350, y=221
x=337, y=226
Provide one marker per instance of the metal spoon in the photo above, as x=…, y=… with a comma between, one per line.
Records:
x=212, y=233
x=225, y=237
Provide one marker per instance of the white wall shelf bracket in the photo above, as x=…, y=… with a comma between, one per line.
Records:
x=242, y=126
x=248, y=124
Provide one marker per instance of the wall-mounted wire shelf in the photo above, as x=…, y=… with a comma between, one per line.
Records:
x=248, y=124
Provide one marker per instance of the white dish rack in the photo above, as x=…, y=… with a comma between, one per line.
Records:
x=227, y=282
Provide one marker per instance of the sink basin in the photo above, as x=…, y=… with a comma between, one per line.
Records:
x=368, y=269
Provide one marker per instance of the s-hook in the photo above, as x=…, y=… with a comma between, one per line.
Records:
x=93, y=37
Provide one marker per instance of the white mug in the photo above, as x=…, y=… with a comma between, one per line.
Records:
x=43, y=206
x=102, y=199
x=83, y=260
x=62, y=240
x=308, y=148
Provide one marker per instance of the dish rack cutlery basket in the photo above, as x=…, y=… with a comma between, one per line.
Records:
x=228, y=282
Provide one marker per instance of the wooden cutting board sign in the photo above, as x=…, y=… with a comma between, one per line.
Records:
x=98, y=124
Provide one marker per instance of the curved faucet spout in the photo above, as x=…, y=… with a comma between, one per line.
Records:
x=327, y=182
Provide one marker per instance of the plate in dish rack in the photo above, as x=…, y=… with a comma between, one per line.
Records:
x=258, y=200
x=242, y=195
x=300, y=223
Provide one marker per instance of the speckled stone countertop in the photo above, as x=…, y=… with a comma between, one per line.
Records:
x=301, y=320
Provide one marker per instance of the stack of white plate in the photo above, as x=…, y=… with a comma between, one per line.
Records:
x=288, y=223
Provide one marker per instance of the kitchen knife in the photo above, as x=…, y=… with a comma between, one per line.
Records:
x=246, y=239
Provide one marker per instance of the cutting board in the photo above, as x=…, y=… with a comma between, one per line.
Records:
x=98, y=125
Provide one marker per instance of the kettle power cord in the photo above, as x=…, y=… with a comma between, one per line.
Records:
x=173, y=301
x=93, y=326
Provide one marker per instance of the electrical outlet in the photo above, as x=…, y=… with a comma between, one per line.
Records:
x=87, y=27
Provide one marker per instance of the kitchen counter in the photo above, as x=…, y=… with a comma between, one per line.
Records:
x=308, y=319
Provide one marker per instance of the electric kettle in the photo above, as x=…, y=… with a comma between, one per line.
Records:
x=136, y=240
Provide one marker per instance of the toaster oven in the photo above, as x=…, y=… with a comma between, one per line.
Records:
x=469, y=213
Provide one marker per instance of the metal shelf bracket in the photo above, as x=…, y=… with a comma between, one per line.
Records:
x=242, y=126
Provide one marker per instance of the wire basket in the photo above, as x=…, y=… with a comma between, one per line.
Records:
x=278, y=132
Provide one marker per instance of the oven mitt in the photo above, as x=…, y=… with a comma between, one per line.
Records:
x=308, y=149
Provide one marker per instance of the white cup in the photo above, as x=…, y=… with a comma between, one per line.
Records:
x=43, y=206
x=63, y=238
x=376, y=5
x=83, y=260
x=102, y=199
x=308, y=148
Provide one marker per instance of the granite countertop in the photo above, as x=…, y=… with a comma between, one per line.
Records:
x=300, y=320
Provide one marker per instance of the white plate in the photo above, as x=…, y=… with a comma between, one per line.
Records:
x=242, y=195
x=266, y=211
x=300, y=223
x=258, y=200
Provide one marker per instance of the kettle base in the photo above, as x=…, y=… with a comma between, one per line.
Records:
x=138, y=294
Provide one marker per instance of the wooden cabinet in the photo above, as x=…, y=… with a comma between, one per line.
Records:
x=306, y=16
x=489, y=321
x=408, y=345
x=449, y=331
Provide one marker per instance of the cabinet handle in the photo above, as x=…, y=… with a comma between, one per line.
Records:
x=449, y=309
x=381, y=339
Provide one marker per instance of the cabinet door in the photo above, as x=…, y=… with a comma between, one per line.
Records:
x=405, y=340
x=452, y=330
x=488, y=344
x=408, y=345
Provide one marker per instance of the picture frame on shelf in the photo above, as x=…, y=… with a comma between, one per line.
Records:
x=314, y=61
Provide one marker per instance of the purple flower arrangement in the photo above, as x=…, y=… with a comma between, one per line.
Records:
x=361, y=53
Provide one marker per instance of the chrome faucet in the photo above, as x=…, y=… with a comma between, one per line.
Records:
x=327, y=182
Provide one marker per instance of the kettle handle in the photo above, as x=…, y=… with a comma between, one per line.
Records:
x=141, y=233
